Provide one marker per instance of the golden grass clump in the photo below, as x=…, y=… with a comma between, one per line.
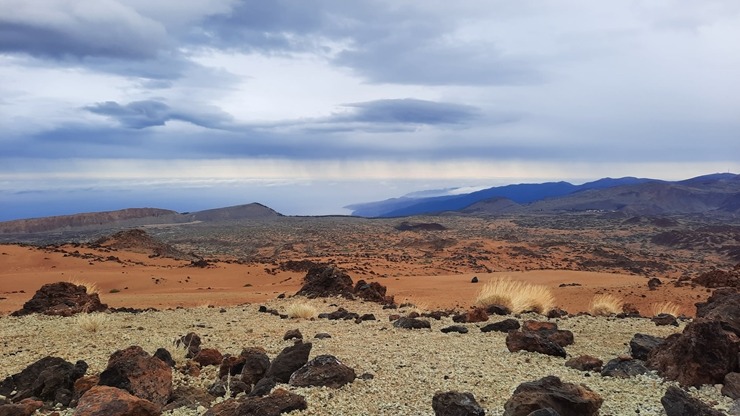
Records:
x=92, y=322
x=665, y=307
x=605, y=305
x=517, y=296
x=90, y=288
x=301, y=310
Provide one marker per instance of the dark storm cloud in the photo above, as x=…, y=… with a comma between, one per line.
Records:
x=409, y=111
x=149, y=113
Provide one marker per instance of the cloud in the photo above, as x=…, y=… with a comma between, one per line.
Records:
x=149, y=113
x=411, y=111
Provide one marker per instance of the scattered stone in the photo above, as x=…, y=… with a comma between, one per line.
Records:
x=366, y=376
x=539, y=326
x=455, y=328
x=49, y=379
x=533, y=342
x=62, y=299
x=474, y=279
x=25, y=407
x=191, y=342
x=368, y=317
x=620, y=368
x=654, y=283
x=664, y=319
x=228, y=384
x=411, y=323
x=473, y=315
x=731, y=386
x=288, y=361
x=322, y=335
x=585, y=363
x=208, y=356
x=339, y=314
x=677, y=402
x=498, y=310
x=549, y=392
x=292, y=334
x=503, y=326
x=642, y=344
x=324, y=370
x=550, y=331
x=165, y=356
x=556, y=313
x=326, y=281
x=111, y=401
x=720, y=278
x=373, y=292
x=82, y=385
x=255, y=364
x=142, y=375
x=394, y=317
x=189, y=397
x=453, y=403
x=280, y=401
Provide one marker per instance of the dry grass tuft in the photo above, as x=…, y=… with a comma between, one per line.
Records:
x=92, y=322
x=301, y=310
x=665, y=307
x=517, y=296
x=605, y=305
x=90, y=288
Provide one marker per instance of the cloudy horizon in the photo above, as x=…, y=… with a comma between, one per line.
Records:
x=310, y=106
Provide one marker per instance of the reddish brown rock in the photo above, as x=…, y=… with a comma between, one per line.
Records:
x=703, y=354
x=731, y=386
x=111, y=401
x=50, y=379
x=256, y=364
x=63, y=299
x=550, y=331
x=82, y=385
x=533, y=341
x=677, y=402
x=549, y=392
x=288, y=361
x=190, y=397
x=25, y=407
x=720, y=278
x=190, y=368
x=453, y=403
x=539, y=326
x=139, y=373
x=292, y=334
x=585, y=363
x=208, y=356
x=473, y=315
x=279, y=402
x=324, y=370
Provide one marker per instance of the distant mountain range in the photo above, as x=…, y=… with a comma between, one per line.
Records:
x=640, y=196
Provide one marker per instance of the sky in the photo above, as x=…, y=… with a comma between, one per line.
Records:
x=308, y=106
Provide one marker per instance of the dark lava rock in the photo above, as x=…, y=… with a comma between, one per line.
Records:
x=322, y=335
x=453, y=403
x=111, y=401
x=373, y=292
x=189, y=397
x=473, y=315
x=25, y=407
x=455, y=328
x=411, y=323
x=368, y=317
x=191, y=342
x=142, y=375
x=723, y=306
x=324, y=370
x=664, y=319
x=326, y=281
x=642, y=344
x=62, y=299
x=339, y=314
x=292, y=334
x=288, y=361
x=232, y=385
x=654, y=283
x=703, y=354
x=677, y=402
x=474, y=279
x=533, y=342
x=255, y=364
x=556, y=313
x=263, y=387
x=279, y=402
x=498, y=310
x=585, y=363
x=731, y=386
x=550, y=331
x=49, y=379
x=544, y=412
x=165, y=356
x=549, y=392
x=720, y=278
x=619, y=368
x=504, y=326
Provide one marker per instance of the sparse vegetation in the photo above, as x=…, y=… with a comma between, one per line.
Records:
x=605, y=305
x=114, y=291
x=301, y=310
x=90, y=288
x=517, y=296
x=92, y=322
x=667, y=307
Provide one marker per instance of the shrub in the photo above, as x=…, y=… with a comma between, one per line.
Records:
x=665, y=307
x=516, y=296
x=114, y=291
x=92, y=322
x=605, y=305
x=301, y=310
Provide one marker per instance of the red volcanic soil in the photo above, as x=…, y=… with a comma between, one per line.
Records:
x=130, y=279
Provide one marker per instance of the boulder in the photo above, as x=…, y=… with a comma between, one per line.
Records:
x=556, y=313
x=621, y=368
x=280, y=401
x=50, y=379
x=703, y=354
x=326, y=281
x=539, y=326
x=208, y=356
x=534, y=342
x=731, y=386
x=498, y=310
x=373, y=292
x=288, y=361
x=473, y=315
x=664, y=319
x=411, y=323
x=324, y=370
x=139, y=373
x=549, y=392
x=723, y=306
x=25, y=407
x=191, y=342
x=550, y=331
x=63, y=299
x=503, y=326
x=82, y=385
x=585, y=363
x=677, y=402
x=111, y=401
x=255, y=365
x=453, y=403
x=642, y=344
x=263, y=387
x=292, y=334
x=165, y=356
x=455, y=328
x=654, y=283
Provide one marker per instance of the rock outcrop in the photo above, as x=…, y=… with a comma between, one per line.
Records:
x=551, y=393
x=62, y=299
x=50, y=379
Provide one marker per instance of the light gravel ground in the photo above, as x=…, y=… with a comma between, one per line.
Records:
x=409, y=365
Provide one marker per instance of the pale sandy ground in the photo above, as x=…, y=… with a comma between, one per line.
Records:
x=162, y=283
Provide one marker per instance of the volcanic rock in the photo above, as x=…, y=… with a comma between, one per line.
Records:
x=49, y=379
x=111, y=401
x=142, y=375
x=722, y=306
x=191, y=342
x=228, y=384
x=324, y=370
x=455, y=328
x=621, y=368
x=703, y=354
x=25, y=407
x=63, y=299
x=292, y=334
x=720, y=278
x=503, y=326
x=190, y=397
x=373, y=292
x=642, y=344
x=208, y=356
x=473, y=315
x=263, y=387
x=654, y=283
x=731, y=386
x=453, y=403
x=82, y=385
x=165, y=356
x=255, y=365
x=585, y=363
x=339, y=314
x=549, y=392
x=288, y=361
x=677, y=402
x=556, y=313
x=664, y=319
x=498, y=310
x=411, y=323
x=539, y=326
x=533, y=342
x=474, y=279
x=326, y=281
x=280, y=401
